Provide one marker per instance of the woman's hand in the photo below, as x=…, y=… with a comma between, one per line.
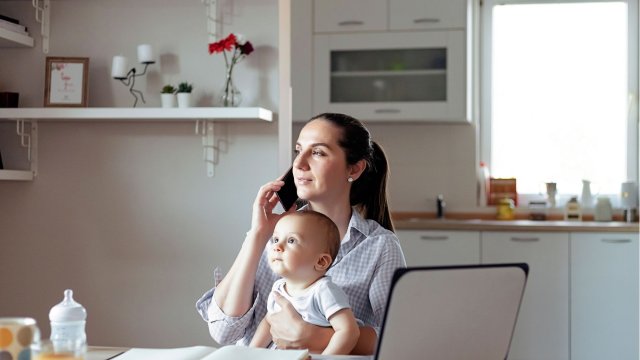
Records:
x=263, y=220
x=289, y=331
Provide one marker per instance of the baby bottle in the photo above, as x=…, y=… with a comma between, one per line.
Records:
x=68, y=320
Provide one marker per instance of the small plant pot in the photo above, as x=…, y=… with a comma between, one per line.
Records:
x=184, y=100
x=168, y=100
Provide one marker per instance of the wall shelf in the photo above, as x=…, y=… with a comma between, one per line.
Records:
x=138, y=114
x=10, y=38
x=204, y=118
x=23, y=175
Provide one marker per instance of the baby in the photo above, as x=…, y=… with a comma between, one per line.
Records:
x=303, y=247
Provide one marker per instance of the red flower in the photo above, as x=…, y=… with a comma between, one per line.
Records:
x=246, y=49
x=225, y=44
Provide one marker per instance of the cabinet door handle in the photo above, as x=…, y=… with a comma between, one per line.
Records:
x=387, y=111
x=434, y=237
x=350, y=23
x=524, y=239
x=616, y=241
x=426, y=21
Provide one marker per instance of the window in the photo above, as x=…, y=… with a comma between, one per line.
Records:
x=559, y=94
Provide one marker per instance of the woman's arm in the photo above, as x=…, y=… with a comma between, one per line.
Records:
x=367, y=341
x=234, y=294
x=289, y=331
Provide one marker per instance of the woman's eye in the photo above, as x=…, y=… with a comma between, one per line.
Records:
x=296, y=151
x=317, y=153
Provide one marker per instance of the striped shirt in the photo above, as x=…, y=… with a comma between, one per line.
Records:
x=368, y=256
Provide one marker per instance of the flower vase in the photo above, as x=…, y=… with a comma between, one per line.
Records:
x=231, y=96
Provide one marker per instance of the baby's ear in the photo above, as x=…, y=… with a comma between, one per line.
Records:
x=323, y=262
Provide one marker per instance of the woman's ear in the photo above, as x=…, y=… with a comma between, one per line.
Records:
x=357, y=169
x=323, y=262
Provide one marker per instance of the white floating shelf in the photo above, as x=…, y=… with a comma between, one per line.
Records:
x=10, y=38
x=23, y=175
x=138, y=114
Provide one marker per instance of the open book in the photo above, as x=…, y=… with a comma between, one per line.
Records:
x=230, y=352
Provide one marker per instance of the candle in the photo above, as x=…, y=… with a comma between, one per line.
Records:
x=119, y=67
x=145, y=54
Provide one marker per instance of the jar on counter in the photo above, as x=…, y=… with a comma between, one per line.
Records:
x=505, y=209
x=572, y=210
x=603, y=210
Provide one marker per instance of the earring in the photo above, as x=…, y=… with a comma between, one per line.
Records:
x=350, y=179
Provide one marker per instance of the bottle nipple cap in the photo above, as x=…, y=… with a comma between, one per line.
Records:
x=68, y=309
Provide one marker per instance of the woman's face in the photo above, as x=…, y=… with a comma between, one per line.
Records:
x=320, y=167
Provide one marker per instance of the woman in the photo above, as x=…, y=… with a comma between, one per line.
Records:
x=341, y=173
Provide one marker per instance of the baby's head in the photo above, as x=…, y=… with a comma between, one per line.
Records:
x=304, y=245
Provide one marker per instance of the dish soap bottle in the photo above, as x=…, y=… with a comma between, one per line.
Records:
x=68, y=320
x=572, y=211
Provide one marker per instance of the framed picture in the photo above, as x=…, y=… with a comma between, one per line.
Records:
x=66, y=80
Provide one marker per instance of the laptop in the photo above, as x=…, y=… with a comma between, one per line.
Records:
x=452, y=312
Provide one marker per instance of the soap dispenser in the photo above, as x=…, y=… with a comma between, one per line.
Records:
x=68, y=319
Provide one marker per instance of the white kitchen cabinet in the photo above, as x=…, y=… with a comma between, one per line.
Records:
x=435, y=248
x=604, y=296
x=350, y=15
x=542, y=328
x=413, y=76
x=335, y=16
x=421, y=14
x=368, y=60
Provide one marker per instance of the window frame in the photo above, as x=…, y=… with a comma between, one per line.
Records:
x=485, y=86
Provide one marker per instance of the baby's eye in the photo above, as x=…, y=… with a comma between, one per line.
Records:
x=274, y=240
x=291, y=240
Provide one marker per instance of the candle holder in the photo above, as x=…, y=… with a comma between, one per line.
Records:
x=128, y=78
x=130, y=81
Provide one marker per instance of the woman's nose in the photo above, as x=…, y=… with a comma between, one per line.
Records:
x=300, y=161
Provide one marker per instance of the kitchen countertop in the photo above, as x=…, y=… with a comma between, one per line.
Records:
x=513, y=225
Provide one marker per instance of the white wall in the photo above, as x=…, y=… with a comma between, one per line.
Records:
x=123, y=213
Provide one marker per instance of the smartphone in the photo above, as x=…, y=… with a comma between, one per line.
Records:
x=288, y=194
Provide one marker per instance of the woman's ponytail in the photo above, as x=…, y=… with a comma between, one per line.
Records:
x=369, y=192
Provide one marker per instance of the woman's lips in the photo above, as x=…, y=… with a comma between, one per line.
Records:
x=302, y=181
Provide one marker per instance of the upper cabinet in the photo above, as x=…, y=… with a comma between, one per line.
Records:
x=418, y=76
x=382, y=60
x=423, y=15
x=334, y=16
x=348, y=16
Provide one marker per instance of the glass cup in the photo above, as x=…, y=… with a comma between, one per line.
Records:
x=59, y=350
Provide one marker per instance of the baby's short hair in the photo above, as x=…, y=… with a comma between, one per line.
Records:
x=332, y=235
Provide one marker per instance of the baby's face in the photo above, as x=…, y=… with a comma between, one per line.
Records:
x=296, y=248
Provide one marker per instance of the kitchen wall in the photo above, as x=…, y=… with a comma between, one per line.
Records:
x=123, y=213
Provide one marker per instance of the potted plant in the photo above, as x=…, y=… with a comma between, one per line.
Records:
x=184, y=94
x=168, y=96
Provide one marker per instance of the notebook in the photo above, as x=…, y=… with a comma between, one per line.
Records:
x=452, y=312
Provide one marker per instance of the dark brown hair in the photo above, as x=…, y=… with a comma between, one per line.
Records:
x=369, y=191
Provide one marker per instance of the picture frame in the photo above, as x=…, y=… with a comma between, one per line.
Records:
x=66, y=80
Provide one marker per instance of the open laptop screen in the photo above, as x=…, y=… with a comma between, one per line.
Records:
x=452, y=312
